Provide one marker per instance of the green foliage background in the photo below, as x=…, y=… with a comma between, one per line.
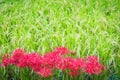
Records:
x=88, y=27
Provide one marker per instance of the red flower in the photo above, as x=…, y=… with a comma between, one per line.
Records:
x=45, y=72
x=93, y=66
x=34, y=61
x=23, y=61
x=80, y=62
x=18, y=53
x=44, y=65
x=62, y=64
x=6, y=61
x=62, y=50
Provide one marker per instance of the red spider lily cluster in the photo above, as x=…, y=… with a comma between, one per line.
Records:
x=57, y=59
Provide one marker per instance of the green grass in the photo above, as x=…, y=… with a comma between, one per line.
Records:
x=88, y=27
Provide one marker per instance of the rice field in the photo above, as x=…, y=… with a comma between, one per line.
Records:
x=86, y=27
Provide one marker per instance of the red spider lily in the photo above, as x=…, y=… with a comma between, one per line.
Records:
x=34, y=60
x=18, y=53
x=74, y=66
x=23, y=61
x=80, y=62
x=45, y=72
x=52, y=59
x=62, y=50
x=7, y=61
x=44, y=65
x=62, y=64
x=93, y=66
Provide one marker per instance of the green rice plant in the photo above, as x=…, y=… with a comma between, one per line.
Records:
x=85, y=26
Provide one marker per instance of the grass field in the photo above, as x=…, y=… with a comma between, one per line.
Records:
x=87, y=27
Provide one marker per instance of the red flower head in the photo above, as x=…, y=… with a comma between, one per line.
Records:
x=93, y=66
x=23, y=61
x=18, y=53
x=6, y=60
x=34, y=61
x=43, y=65
x=62, y=50
x=44, y=72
